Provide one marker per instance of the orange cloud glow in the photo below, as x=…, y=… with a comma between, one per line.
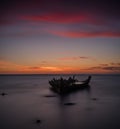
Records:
x=51, y=68
x=107, y=68
x=9, y=67
x=12, y=68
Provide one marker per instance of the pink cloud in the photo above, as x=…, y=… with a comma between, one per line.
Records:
x=61, y=17
x=76, y=34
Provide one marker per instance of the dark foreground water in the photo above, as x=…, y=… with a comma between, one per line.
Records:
x=29, y=99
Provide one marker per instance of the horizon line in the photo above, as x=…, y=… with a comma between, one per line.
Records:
x=59, y=74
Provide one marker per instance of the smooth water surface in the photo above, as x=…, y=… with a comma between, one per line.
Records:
x=29, y=99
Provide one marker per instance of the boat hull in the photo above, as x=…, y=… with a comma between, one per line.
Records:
x=69, y=89
x=66, y=86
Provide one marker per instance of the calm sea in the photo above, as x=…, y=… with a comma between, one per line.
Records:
x=29, y=99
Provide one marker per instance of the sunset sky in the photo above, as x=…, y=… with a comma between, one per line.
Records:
x=59, y=36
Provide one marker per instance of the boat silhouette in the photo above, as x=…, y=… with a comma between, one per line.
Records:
x=71, y=84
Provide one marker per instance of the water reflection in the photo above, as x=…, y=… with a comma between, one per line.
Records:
x=67, y=98
x=69, y=108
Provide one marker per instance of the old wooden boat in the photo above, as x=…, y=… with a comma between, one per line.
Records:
x=68, y=85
